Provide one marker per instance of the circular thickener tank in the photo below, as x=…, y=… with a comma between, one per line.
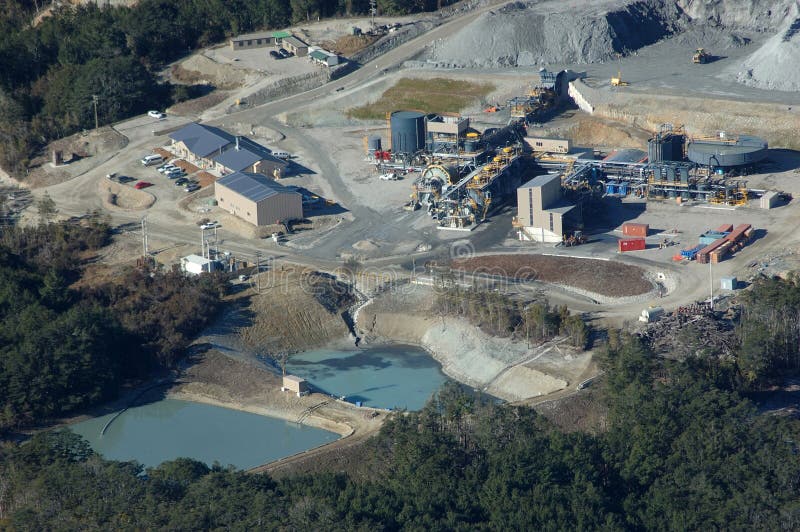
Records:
x=727, y=152
x=374, y=143
x=408, y=131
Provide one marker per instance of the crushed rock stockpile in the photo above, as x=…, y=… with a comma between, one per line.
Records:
x=755, y=15
x=775, y=64
x=531, y=33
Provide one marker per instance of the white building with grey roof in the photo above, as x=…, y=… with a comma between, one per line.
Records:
x=257, y=199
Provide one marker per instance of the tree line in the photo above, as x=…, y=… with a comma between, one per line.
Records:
x=678, y=453
x=53, y=69
x=63, y=348
x=500, y=315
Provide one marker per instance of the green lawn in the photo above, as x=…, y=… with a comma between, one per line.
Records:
x=438, y=95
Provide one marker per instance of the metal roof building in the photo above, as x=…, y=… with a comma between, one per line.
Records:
x=249, y=156
x=257, y=199
x=542, y=215
x=201, y=140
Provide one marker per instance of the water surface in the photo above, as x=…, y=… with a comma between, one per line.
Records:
x=169, y=429
x=397, y=376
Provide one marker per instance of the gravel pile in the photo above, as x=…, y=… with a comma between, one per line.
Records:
x=775, y=64
x=532, y=33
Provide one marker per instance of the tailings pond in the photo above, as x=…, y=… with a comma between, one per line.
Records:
x=169, y=429
x=397, y=376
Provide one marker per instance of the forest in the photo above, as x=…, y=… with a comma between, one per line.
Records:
x=63, y=348
x=52, y=69
x=500, y=315
x=677, y=453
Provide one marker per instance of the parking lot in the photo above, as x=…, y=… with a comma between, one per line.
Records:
x=259, y=59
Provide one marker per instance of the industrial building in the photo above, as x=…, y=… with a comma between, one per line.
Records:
x=295, y=45
x=210, y=147
x=249, y=156
x=548, y=145
x=257, y=199
x=252, y=40
x=195, y=265
x=542, y=215
x=322, y=57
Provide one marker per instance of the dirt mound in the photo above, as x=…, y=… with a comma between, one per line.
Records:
x=531, y=33
x=293, y=311
x=774, y=64
x=608, y=278
x=757, y=15
x=201, y=69
x=125, y=197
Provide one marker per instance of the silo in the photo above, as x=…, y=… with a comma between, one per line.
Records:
x=408, y=131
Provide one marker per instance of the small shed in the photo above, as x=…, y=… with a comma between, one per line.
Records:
x=195, y=264
x=768, y=200
x=296, y=46
x=323, y=57
x=293, y=383
x=728, y=283
x=651, y=314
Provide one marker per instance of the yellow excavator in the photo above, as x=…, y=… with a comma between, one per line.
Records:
x=618, y=82
x=700, y=57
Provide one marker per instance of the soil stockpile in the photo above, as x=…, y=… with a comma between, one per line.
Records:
x=531, y=33
x=775, y=64
x=608, y=278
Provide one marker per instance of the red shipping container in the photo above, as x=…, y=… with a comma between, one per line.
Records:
x=725, y=228
x=632, y=244
x=632, y=229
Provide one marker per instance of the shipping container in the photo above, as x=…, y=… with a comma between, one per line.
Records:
x=725, y=228
x=632, y=229
x=632, y=244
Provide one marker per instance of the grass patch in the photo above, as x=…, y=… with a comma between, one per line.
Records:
x=438, y=95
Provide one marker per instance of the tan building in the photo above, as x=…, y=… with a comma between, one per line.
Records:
x=253, y=40
x=298, y=385
x=257, y=199
x=249, y=156
x=295, y=45
x=548, y=145
x=542, y=216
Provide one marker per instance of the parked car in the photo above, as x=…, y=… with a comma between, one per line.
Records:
x=181, y=181
x=156, y=114
x=152, y=160
x=390, y=176
x=142, y=184
x=274, y=54
x=284, y=53
x=208, y=225
x=191, y=187
x=125, y=179
x=164, y=168
x=172, y=174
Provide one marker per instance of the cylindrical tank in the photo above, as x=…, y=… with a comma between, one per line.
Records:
x=655, y=150
x=374, y=143
x=725, y=152
x=408, y=131
x=471, y=145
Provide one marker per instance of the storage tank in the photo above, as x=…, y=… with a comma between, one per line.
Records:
x=408, y=131
x=727, y=152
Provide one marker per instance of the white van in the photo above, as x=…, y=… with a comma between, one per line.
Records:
x=281, y=154
x=150, y=160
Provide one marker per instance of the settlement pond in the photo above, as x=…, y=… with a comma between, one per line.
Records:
x=169, y=429
x=395, y=376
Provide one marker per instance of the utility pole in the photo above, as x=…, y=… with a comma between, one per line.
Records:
x=144, y=237
x=258, y=272
x=373, y=8
x=711, y=285
x=96, y=121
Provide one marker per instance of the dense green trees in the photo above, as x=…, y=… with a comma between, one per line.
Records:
x=679, y=454
x=62, y=349
x=51, y=70
x=500, y=315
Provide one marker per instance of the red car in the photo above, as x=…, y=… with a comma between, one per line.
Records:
x=142, y=184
